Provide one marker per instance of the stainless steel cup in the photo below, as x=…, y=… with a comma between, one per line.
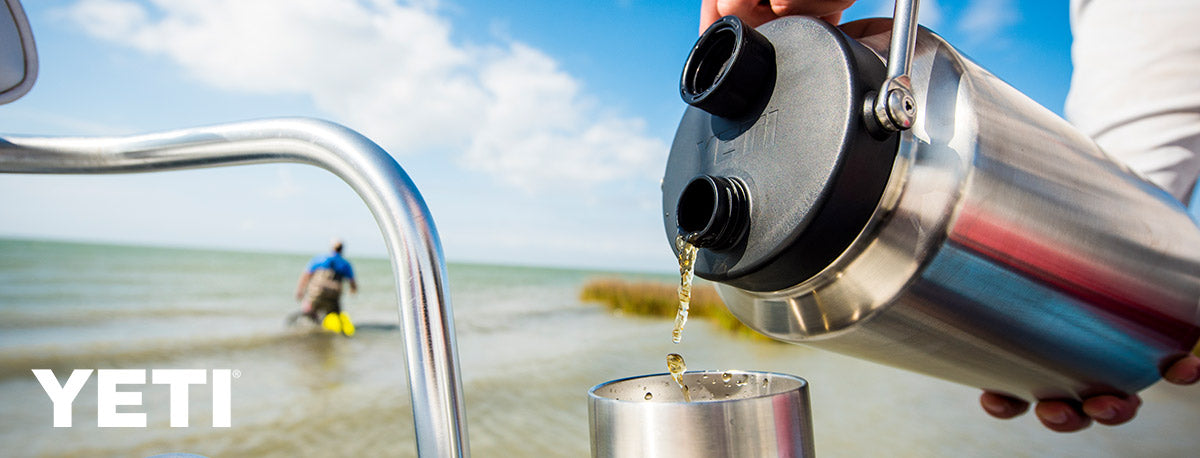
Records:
x=733, y=413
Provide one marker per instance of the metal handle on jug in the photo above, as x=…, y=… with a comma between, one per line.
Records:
x=894, y=106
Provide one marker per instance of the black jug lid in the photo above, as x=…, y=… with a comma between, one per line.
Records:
x=774, y=170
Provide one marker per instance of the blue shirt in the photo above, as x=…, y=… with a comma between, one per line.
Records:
x=334, y=262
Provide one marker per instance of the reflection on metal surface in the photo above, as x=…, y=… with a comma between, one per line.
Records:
x=407, y=226
x=1008, y=253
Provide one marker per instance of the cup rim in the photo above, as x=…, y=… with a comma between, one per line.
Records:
x=801, y=385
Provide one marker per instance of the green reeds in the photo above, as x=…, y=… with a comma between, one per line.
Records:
x=662, y=300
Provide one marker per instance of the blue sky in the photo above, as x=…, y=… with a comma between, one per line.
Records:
x=536, y=131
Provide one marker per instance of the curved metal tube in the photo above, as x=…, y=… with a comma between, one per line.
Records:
x=412, y=240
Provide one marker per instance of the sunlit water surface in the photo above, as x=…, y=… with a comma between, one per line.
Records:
x=529, y=349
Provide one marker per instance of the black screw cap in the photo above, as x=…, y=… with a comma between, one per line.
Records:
x=729, y=70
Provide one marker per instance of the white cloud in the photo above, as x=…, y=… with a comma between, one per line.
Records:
x=393, y=72
x=985, y=20
x=539, y=129
x=285, y=185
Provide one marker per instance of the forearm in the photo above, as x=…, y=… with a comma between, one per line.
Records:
x=303, y=282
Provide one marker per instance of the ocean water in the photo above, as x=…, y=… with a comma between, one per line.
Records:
x=529, y=351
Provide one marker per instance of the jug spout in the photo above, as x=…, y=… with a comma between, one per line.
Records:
x=712, y=212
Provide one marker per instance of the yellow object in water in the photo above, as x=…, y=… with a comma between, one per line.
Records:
x=339, y=323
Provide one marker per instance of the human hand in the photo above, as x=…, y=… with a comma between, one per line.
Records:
x=757, y=12
x=1068, y=416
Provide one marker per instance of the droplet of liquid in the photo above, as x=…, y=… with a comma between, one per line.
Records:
x=726, y=377
x=676, y=367
x=687, y=271
x=649, y=396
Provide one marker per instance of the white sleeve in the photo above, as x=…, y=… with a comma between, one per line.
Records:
x=1136, y=85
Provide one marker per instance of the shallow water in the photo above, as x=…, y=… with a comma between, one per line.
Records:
x=529, y=352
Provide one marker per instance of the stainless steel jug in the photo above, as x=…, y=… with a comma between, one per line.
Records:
x=952, y=226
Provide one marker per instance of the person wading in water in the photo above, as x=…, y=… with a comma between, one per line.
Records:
x=320, y=287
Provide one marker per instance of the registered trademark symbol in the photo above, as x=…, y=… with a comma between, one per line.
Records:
x=237, y=373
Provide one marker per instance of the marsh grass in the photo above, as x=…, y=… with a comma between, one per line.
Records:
x=658, y=299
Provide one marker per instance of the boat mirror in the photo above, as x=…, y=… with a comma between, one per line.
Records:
x=18, y=55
